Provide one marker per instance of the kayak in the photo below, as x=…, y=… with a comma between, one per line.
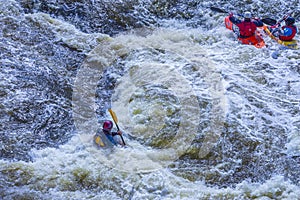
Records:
x=255, y=40
x=102, y=141
x=99, y=141
x=293, y=44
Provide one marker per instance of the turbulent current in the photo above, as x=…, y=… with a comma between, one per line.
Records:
x=203, y=116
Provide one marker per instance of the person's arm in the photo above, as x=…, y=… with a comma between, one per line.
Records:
x=118, y=139
x=116, y=133
x=234, y=19
x=258, y=22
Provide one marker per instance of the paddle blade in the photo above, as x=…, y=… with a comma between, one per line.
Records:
x=269, y=21
x=113, y=115
x=218, y=10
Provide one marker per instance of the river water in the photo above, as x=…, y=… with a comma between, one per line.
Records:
x=203, y=116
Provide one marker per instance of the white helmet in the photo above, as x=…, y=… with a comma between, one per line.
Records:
x=247, y=15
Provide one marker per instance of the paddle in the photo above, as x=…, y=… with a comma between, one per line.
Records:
x=267, y=20
x=218, y=10
x=273, y=23
x=114, y=116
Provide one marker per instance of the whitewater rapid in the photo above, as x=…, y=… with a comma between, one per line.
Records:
x=203, y=116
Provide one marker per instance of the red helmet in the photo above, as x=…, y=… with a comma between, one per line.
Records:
x=108, y=125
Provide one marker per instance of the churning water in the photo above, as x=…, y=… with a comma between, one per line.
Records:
x=203, y=116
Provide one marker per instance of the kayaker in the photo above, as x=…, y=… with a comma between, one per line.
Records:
x=112, y=137
x=247, y=28
x=287, y=32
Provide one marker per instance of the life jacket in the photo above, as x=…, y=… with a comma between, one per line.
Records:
x=247, y=29
x=288, y=37
x=111, y=139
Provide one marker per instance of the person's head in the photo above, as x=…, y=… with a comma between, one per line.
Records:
x=107, y=125
x=247, y=15
x=289, y=21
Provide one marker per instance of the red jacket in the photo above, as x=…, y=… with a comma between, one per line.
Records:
x=247, y=27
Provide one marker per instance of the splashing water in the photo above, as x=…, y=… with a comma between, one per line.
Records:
x=204, y=117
